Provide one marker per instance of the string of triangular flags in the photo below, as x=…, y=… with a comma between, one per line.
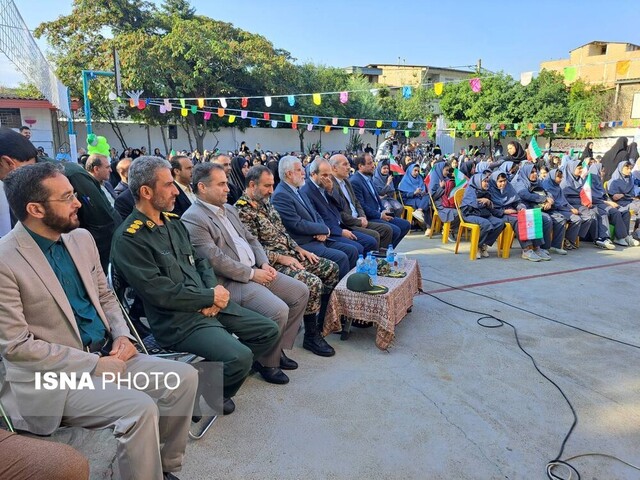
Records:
x=377, y=126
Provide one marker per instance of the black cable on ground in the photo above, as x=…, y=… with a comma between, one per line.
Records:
x=499, y=323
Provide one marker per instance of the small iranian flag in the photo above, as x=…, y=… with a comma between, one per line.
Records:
x=585, y=164
x=461, y=181
x=530, y=224
x=533, y=150
x=585, y=192
x=393, y=165
x=427, y=180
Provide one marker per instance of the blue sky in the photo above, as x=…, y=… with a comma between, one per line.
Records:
x=509, y=36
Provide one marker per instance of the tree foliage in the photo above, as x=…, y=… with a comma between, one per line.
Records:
x=171, y=51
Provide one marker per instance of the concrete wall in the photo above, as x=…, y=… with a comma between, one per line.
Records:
x=273, y=139
x=594, y=68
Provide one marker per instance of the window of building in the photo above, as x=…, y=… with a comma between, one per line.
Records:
x=632, y=48
x=635, y=106
x=10, y=117
x=597, y=49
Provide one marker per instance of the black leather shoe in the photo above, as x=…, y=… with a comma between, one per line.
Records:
x=286, y=363
x=228, y=407
x=271, y=374
x=316, y=344
x=169, y=476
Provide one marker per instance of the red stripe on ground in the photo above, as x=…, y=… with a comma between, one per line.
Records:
x=528, y=277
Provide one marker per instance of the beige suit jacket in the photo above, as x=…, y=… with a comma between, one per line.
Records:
x=38, y=331
x=212, y=241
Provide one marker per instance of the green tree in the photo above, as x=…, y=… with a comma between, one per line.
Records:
x=172, y=53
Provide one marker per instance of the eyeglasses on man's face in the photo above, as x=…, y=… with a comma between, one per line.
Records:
x=66, y=199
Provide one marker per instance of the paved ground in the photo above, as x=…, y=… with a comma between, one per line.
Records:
x=453, y=400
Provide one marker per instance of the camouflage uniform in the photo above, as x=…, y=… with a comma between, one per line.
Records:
x=264, y=222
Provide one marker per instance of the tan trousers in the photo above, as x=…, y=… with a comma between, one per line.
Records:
x=24, y=457
x=150, y=425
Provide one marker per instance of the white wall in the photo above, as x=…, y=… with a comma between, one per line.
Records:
x=273, y=139
x=41, y=131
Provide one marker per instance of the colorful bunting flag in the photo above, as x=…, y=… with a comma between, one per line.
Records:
x=223, y=102
x=244, y=102
x=243, y=114
x=334, y=121
x=309, y=127
x=292, y=100
x=254, y=122
x=232, y=118
x=327, y=128
x=570, y=73
x=274, y=123
x=317, y=99
x=378, y=123
x=182, y=103
x=345, y=130
x=201, y=103
x=267, y=116
x=622, y=67
x=184, y=112
x=344, y=97
x=207, y=115
x=352, y=122
x=525, y=78
x=287, y=118
x=294, y=118
x=476, y=85
x=361, y=123
x=267, y=101
x=194, y=109
x=438, y=87
x=406, y=92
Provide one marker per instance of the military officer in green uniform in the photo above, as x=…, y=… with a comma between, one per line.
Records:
x=187, y=310
x=320, y=274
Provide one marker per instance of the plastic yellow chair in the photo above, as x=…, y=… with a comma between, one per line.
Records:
x=472, y=227
x=505, y=241
x=407, y=213
x=437, y=223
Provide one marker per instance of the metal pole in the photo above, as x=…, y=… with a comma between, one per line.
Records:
x=87, y=102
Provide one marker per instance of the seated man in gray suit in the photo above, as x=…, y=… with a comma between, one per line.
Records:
x=58, y=317
x=242, y=266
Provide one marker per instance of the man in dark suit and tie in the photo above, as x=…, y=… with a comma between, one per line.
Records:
x=370, y=201
x=302, y=221
x=352, y=215
x=318, y=189
x=182, y=170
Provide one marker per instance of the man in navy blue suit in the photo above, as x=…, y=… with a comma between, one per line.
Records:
x=368, y=198
x=318, y=189
x=303, y=222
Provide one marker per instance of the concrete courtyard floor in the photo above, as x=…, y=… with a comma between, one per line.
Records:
x=453, y=400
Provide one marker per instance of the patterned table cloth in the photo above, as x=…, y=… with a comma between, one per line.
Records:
x=386, y=311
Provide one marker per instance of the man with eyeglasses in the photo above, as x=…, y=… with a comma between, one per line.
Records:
x=59, y=317
x=97, y=214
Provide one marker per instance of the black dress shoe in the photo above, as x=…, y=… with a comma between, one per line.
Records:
x=286, y=363
x=271, y=374
x=169, y=476
x=228, y=407
x=316, y=344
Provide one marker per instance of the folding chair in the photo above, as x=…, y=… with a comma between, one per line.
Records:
x=149, y=345
x=472, y=227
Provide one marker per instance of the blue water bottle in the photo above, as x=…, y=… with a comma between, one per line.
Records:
x=360, y=265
